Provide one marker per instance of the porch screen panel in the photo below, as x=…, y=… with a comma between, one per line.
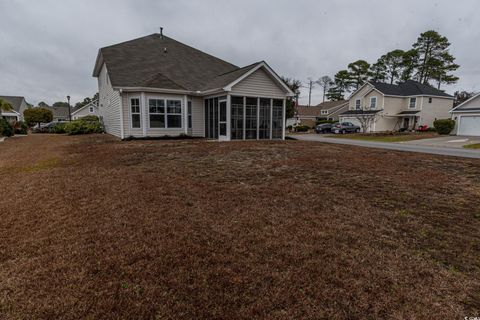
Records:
x=237, y=118
x=215, y=117
x=277, y=119
x=251, y=118
x=264, y=119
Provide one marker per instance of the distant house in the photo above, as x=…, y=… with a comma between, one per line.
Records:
x=90, y=109
x=467, y=117
x=397, y=107
x=59, y=113
x=19, y=105
x=328, y=110
x=156, y=86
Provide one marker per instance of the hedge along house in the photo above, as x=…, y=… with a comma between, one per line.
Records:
x=156, y=86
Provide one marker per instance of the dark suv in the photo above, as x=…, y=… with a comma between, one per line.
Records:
x=324, y=128
x=345, y=127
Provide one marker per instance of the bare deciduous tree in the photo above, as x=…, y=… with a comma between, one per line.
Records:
x=366, y=119
x=326, y=83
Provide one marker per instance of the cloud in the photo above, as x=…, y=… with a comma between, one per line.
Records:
x=48, y=48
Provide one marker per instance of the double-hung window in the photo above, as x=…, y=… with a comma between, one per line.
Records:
x=413, y=103
x=156, y=110
x=135, y=112
x=358, y=104
x=373, y=103
x=174, y=113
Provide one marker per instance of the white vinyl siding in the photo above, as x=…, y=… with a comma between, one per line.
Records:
x=109, y=105
x=85, y=112
x=258, y=84
x=198, y=117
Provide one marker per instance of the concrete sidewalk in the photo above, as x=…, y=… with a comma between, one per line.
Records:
x=445, y=151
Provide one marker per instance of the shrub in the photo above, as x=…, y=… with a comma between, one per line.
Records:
x=302, y=128
x=20, y=127
x=6, y=129
x=85, y=125
x=322, y=121
x=37, y=115
x=444, y=126
x=59, y=128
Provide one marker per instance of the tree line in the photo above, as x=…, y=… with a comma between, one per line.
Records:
x=428, y=61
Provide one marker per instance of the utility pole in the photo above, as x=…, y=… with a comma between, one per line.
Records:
x=69, y=110
x=311, y=85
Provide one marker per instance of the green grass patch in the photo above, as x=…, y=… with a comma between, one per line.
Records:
x=472, y=146
x=386, y=137
x=41, y=165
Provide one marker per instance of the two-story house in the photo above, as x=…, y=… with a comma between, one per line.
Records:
x=393, y=107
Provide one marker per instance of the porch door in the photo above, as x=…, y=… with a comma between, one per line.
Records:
x=222, y=120
x=406, y=122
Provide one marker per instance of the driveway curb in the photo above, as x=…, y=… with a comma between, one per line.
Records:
x=453, y=152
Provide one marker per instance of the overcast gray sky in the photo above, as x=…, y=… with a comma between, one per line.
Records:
x=48, y=47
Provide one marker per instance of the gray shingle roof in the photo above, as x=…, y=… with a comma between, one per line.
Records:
x=161, y=62
x=16, y=102
x=331, y=104
x=408, y=88
x=59, y=112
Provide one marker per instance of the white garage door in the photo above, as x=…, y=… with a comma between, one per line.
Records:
x=469, y=126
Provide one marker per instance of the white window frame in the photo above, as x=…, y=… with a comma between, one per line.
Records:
x=410, y=103
x=157, y=113
x=166, y=113
x=373, y=107
x=174, y=114
x=132, y=113
x=359, y=107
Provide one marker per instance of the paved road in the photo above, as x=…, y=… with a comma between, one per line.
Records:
x=455, y=152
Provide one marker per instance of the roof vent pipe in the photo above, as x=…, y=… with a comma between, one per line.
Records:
x=161, y=32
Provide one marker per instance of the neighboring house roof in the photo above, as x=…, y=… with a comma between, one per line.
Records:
x=331, y=104
x=464, y=105
x=408, y=88
x=357, y=112
x=157, y=61
x=15, y=101
x=91, y=104
x=306, y=111
x=59, y=112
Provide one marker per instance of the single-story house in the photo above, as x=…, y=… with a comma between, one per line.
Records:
x=467, y=117
x=90, y=109
x=328, y=110
x=59, y=113
x=156, y=86
x=392, y=107
x=19, y=104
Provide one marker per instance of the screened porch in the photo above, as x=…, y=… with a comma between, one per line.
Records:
x=244, y=118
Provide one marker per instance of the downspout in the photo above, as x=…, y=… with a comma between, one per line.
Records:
x=122, y=129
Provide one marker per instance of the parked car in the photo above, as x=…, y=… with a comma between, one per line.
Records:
x=47, y=127
x=324, y=128
x=345, y=127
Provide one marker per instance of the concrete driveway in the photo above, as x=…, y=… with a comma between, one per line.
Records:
x=445, y=148
x=445, y=142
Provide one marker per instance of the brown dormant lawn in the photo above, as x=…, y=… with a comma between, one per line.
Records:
x=95, y=228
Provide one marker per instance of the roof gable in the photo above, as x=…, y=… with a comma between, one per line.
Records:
x=472, y=104
x=15, y=101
